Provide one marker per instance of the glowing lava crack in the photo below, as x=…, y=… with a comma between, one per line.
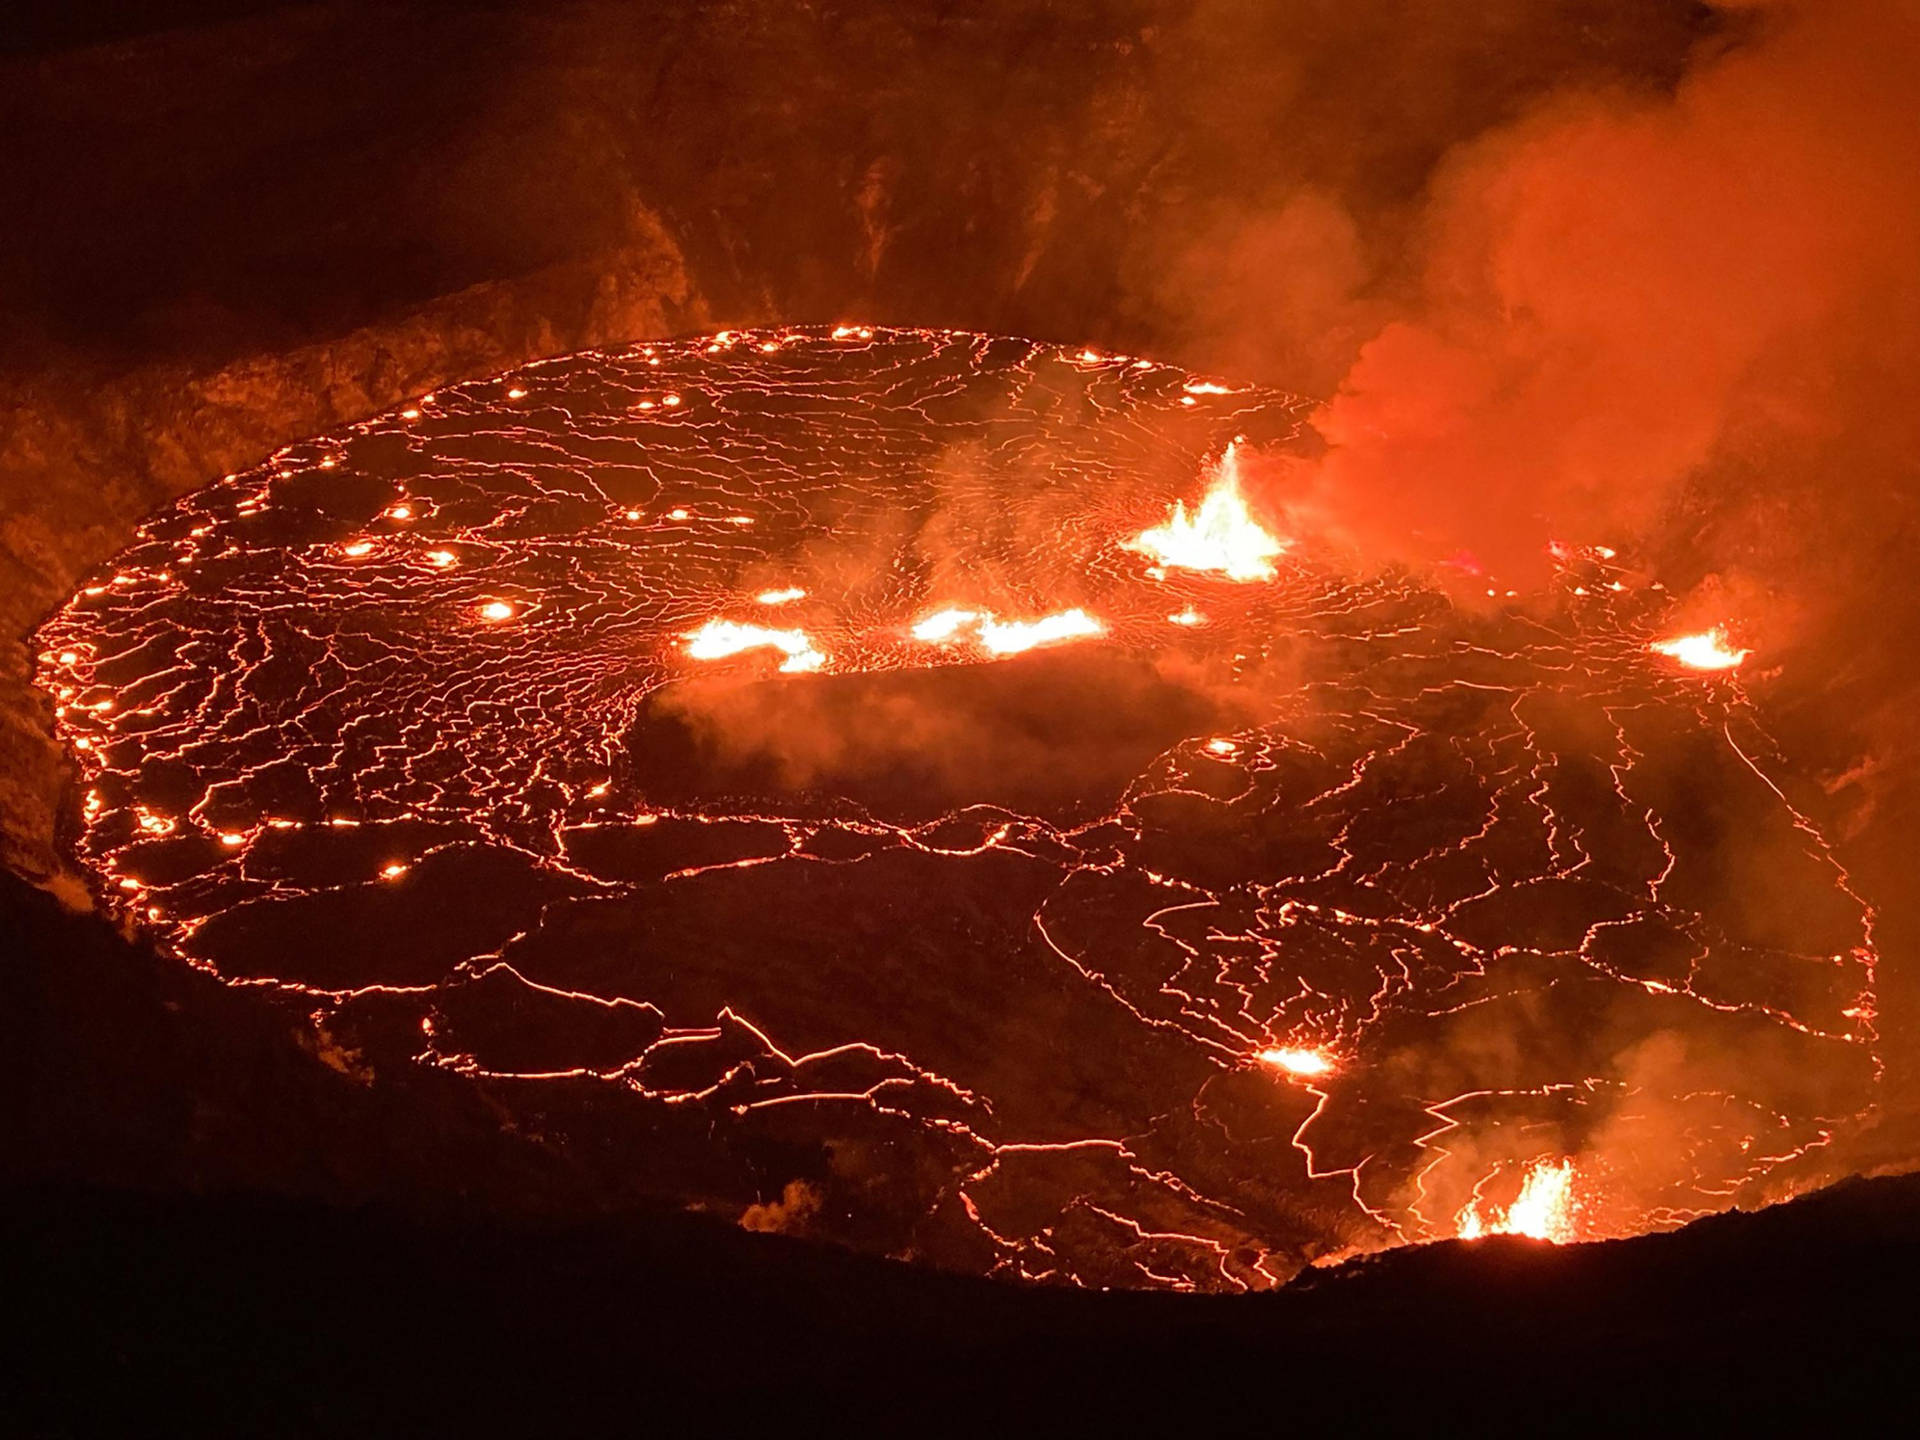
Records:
x=893, y=785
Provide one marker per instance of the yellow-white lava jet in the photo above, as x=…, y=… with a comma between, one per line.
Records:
x=1220, y=536
x=1010, y=637
x=1297, y=1061
x=1707, y=650
x=1004, y=637
x=719, y=639
x=1544, y=1209
x=944, y=625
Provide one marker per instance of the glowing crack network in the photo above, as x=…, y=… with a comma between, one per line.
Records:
x=770, y=763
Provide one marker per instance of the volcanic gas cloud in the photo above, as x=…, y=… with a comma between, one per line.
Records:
x=1678, y=314
x=902, y=786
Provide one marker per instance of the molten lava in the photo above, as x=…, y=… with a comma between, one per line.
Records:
x=1545, y=1208
x=1004, y=637
x=720, y=639
x=1292, y=1060
x=1707, y=650
x=1011, y=637
x=1221, y=536
x=944, y=625
x=1240, y=929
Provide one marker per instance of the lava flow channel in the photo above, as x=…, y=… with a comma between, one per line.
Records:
x=895, y=784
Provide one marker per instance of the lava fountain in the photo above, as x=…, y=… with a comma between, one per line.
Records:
x=898, y=769
x=1221, y=535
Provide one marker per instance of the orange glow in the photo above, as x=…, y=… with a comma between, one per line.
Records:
x=1005, y=637
x=1220, y=536
x=1545, y=1209
x=1292, y=1060
x=1010, y=637
x=945, y=624
x=1708, y=650
x=719, y=639
x=1280, y=863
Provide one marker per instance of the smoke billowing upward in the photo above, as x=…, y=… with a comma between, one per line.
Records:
x=1627, y=304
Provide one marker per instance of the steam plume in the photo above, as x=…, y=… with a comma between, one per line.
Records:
x=1635, y=310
